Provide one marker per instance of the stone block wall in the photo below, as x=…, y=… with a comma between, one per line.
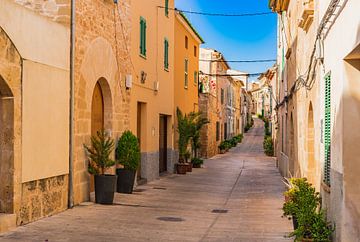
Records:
x=209, y=145
x=43, y=198
x=102, y=41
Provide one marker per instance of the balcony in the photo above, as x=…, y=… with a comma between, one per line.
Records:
x=279, y=6
x=307, y=16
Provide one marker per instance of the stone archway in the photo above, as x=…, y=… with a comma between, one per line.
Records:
x=10, y=124
x=6, y=147
x=101, y=111
x=311, y=168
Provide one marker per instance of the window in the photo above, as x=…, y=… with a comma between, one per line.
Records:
x=195, y=51
x=217, y=131
x=327, y=131
x=142, y=36
x=186, y=42
x=186, y=73
x=166, y=8
x=222, y=96
x=195, y=77
x=166, y=54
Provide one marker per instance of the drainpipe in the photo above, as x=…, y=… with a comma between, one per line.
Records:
x=71, y=118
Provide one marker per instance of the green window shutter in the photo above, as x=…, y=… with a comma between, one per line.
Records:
x=166, y=7
x=195, y=77
x=142, y=36
x=327, y=131
x=166, y=54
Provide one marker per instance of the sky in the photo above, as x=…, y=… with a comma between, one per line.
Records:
x=237, y=38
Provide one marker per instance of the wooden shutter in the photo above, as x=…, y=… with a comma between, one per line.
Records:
x=166, y=7
x=142, y=36
x=186, y=73
x=166, y=54
x=327, y=130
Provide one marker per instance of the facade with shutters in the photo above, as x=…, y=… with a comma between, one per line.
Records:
x=151, y=114
x=318, y=110
x=186, y=67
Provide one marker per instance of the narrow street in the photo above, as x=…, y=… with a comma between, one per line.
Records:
x=244, y=185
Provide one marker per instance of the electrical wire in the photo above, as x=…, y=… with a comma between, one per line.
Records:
x=231, y=75
x=240, y=61
x=219, y=14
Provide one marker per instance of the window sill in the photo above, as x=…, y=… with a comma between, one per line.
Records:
x=185, y=87
x=166, y=69
x=142, y=56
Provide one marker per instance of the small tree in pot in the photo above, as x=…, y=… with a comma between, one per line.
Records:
x=99, y=161
x=128, y=155
x=184, y=130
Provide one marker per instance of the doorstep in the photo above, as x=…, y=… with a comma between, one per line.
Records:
x=7, y=222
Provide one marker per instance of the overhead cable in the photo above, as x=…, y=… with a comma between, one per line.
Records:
x=220, y=14
x=239, y=61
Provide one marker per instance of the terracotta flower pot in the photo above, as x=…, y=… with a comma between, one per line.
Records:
x=189, y=167
x=196, y=165
x=181, y=168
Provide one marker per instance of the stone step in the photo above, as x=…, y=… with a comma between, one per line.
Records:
x=7, y=222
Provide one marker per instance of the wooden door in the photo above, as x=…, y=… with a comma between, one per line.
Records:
x=97, y=117
x=163, y=144
x=139, y=119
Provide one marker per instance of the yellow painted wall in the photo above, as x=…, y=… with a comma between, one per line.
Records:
x=158, y=102
x=186, y=98
x=45, y=137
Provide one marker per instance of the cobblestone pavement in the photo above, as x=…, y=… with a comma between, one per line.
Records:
x=243, y=184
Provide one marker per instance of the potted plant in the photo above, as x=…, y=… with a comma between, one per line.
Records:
x=302, y=203
x=197, y=162
x=128, y=156
x=187, y=156
x=222, y=147
x=99, y=161
x=184, y=130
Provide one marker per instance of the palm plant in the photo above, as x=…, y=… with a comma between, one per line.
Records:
x=184, y=130
x=99, y=153
x=197, y=121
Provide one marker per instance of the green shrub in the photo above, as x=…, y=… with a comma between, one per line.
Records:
x=223, y=145
x=302, y=203
x=128, y=151
x=99, y=153
x=247, y=127
x=197, y=161
x=233, y=142
x=268, y=146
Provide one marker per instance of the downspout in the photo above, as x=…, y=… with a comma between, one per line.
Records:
x=71, y=117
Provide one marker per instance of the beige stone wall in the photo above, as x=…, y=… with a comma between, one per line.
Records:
x=41, y=198
x=10, y=127
x=209, y=144
x=102, y=53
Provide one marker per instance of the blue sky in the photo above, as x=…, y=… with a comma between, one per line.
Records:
x=238, y=38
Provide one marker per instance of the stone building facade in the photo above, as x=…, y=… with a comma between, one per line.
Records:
x=102, y=63
x=219, y=101
x=34, y=81
x=318, y=103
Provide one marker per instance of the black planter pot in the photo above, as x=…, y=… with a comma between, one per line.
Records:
x=105, y=186
x=125, y=180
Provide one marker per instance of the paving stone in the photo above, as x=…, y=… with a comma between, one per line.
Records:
x=244, y=181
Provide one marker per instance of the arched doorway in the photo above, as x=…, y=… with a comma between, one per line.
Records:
x=6, y=147
x=97, y=117
x=311, y=169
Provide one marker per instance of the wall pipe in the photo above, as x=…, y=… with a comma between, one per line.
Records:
x=71, y=116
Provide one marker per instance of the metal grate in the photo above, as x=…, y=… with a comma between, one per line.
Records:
x=219, y=210
x=170, y=219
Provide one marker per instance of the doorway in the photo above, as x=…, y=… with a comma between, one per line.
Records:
x=141, y=131
x=97, y=117
x=163, y=144
x=6, y=147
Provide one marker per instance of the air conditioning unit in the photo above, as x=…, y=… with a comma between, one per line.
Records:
x=156, y=85
x=128, y=81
